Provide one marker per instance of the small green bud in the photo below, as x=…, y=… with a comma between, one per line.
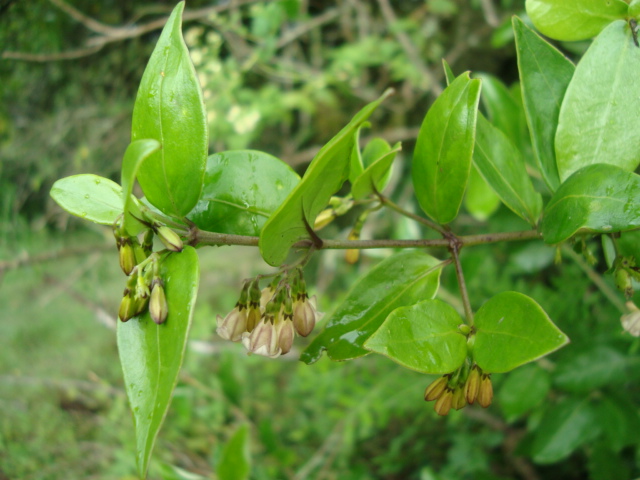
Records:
x=127, y=257
x=128, y=308
x=170, y=239
x=158, y=308
x=623, y=282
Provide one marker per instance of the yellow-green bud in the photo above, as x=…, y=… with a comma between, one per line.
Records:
x=623, y=282
x=443, y=404
x=435, y=388
x=458, y=401
x=472, y=385
x=128, y=307
x=127, y=257
x=485, y=391
x=158, y=308
x=324, y=218
x=170, y=239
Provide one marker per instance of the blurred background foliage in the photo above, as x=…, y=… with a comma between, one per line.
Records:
x=280, y=76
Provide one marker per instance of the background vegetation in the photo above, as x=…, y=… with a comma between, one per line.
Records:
x=279, y=76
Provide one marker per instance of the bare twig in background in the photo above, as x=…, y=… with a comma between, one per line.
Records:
x=490, y=14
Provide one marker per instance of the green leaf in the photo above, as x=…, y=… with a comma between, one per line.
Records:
x=511, y=330
x=356, y=166
x=599, y=120
x=587, y=370
x=442, y=157
x=235, y=463
x=545, y=74
x=424, y=337
x=402, y=279
x=598, y=198
x=151, y=355
x=448, y=73
x=565, y=427
x=575, y=19
x=504, y=112
x=136, y=153
x=324, y=177
x=523, y=389
x=91, y=197
x=241, y=189
x=480, y=201
x=170, y=109
x=503, y=167
x=376, y=174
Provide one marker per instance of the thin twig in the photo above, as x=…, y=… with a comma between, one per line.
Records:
x=393, y=206
x=455, y=254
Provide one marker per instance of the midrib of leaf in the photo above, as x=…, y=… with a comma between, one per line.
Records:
x=567, y=197
x=420, y=339
x=162, y=150
x=238, y=206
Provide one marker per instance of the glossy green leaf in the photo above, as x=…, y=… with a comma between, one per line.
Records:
x=136, y=153
x=480, y=201
x=503, y=110
x=235, y=463
x=424, y=337
x=511, y=330
x=571, y=20
x=151, y=355
x=448, y=73
x=356, y=165
x=503, y=167
x=324, y=177
x=241, y=189
x=91, y=197
x=522, y=390
x=400, y=280
x=376, y=174
x=169, y=108
x=545, y=74
x=565, y=427
x=599, y=120
x=442, y=157
x=598, y=198
x=634, y=9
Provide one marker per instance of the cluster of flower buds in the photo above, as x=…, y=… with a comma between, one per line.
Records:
x=144, y=290
x=266, y=321
x=456, y=390
x=625, y=271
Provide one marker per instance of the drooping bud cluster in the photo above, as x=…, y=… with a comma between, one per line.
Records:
x=144, y=290
x=456, y=390
x=266, y=321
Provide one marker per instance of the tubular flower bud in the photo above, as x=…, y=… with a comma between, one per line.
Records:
x=472, y=385
x=623, y=282
x=443, y=404
x=304, y=314
x=286, y=333
x=170, y=239
x=128, y=307
x=127, y=257
x=435, y=388
x=458, y=401
x=631, y=321
x=263, y=340
x=158, y=308
x=324, y=218
x=485, y=391
x=234, y=324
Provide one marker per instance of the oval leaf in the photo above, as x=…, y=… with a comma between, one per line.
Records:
x=512, y=329
x=402, y=279
x=570, y=20
x=503, y=167
x=136, y=153
x=241, y=189
x=545, y=74
x=91, y=197
x=442, y=157
x=598, y=198
x=151, y=355
x=170, y=109
x=424, y=337
x=480, y=200
x=376, y=175
x=235, y=462
x=599, y=120
x=324, y=177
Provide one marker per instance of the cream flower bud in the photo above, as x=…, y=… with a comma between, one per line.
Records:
x=170, y=239
x=263, y=340
x=631, y=321
x=304, y=314
x=234, y=324
x=286, y=333
x=127, y=257
x=485, y=391
x=158, y=308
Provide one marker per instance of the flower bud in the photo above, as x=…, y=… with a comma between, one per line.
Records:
x=127, y=257
x=304, y=315
x=128, y=307
x=286, y=333
x=263, y=340
x=435, y=388
x=443, y=404
x=485, y=391
x=458, y=401
x=265, y=295
x=631, y=321
x=158, y=308
x=472, y=385
x=233, y=325
x=170, y=239
x=324, y=218
x=623, y=282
